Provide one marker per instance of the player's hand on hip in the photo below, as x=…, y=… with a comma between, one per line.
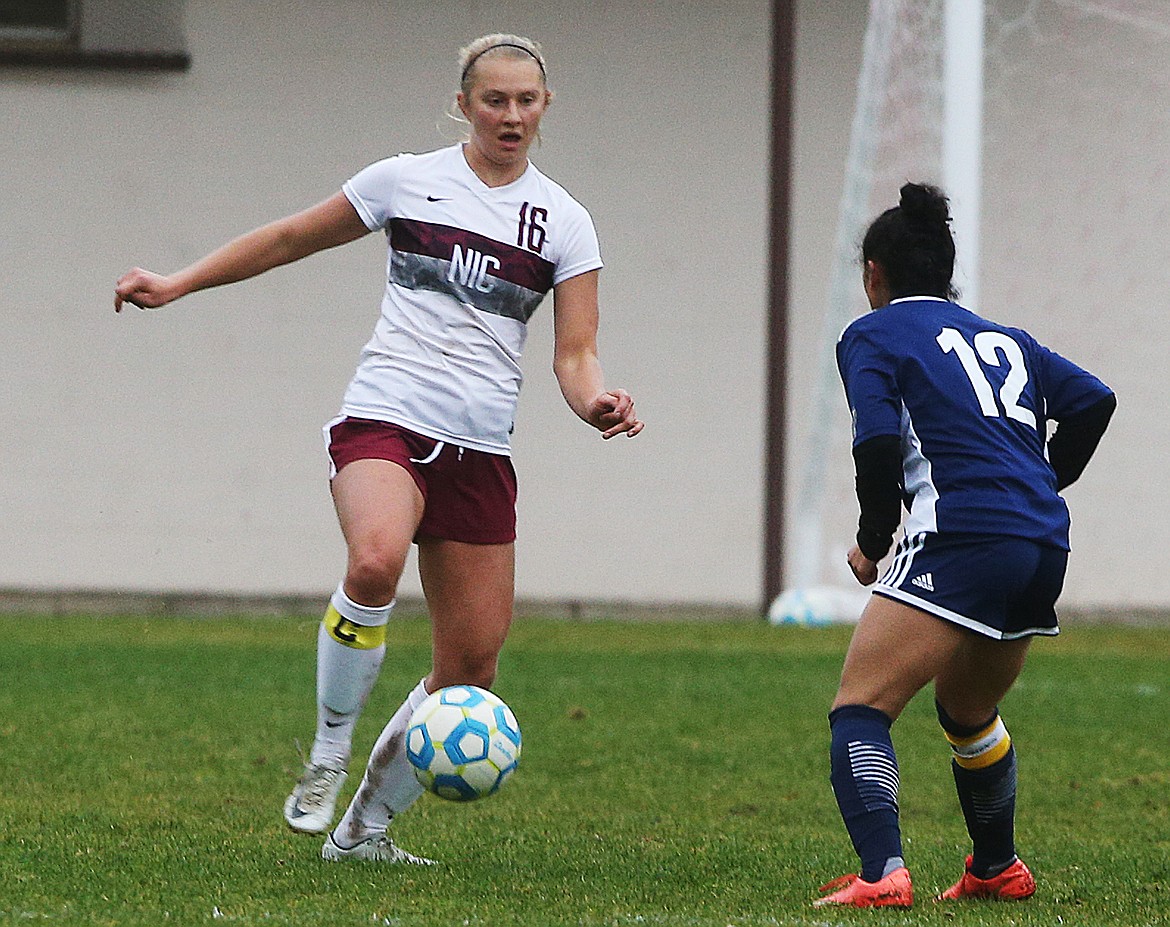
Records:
x=143, y=289
x=612, y=413
x=863, y=568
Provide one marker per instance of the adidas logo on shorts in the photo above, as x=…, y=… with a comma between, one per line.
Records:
x=925, y=581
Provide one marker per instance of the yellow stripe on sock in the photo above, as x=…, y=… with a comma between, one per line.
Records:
x=982, y=749
x=351, y=634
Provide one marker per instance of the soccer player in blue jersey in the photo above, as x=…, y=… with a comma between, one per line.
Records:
x=951, y=418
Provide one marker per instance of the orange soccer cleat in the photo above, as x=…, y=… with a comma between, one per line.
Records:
x=1013, y=884
x=893, y=891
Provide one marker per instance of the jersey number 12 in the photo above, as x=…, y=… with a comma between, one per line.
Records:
x=988, y=346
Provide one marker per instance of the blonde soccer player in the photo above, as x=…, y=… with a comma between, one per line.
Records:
x=420, y=452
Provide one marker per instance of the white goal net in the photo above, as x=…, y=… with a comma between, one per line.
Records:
x=1073, y=234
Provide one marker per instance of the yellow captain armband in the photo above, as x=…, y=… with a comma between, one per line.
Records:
x=351, y=634
x=982, y=749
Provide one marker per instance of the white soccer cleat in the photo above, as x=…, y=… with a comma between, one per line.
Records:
x=309, y=809
x=379, y=849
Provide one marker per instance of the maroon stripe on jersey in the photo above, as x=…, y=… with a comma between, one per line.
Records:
x=516, y=265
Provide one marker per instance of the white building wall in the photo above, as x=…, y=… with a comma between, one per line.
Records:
x=180, y=450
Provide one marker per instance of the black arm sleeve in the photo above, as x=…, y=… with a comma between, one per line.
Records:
x=1076, y=438
x=878, y=463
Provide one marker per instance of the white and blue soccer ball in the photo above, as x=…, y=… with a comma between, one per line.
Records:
x=463, y=742
x=816, y=607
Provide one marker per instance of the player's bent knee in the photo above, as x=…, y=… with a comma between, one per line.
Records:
x=372, y=574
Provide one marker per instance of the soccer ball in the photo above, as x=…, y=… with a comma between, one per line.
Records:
x=810, y=608
x=463, y=743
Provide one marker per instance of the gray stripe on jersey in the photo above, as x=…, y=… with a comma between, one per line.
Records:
x=473, y=286
x=918, y=479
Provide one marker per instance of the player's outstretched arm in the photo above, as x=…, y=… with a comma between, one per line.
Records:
x=330, y=223
x=576, y=365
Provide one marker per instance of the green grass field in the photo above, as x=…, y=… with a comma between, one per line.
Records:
x=673, y=775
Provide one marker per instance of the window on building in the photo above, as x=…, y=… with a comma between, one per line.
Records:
x=36, y=21
x=93, y=33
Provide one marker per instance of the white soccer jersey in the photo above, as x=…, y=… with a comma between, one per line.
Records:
x=468, y=264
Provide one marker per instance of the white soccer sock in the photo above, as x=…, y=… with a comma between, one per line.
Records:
x=351, y=642
x=388, y=786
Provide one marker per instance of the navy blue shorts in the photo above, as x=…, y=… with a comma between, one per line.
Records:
x=1001, y=587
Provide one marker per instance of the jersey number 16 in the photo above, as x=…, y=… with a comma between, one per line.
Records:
x=530, y=227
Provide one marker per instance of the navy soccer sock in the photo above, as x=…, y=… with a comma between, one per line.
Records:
x=984, y=765
x=864, y=774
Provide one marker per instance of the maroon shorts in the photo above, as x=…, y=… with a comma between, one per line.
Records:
x=468, y=495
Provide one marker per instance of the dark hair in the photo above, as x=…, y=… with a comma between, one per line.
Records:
x=913, y=243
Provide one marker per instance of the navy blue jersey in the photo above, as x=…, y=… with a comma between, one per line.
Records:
x=971, y=401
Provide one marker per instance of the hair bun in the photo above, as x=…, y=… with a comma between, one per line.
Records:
x=923, y=203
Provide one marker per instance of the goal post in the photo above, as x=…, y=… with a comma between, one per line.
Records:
x=1046, y=122
x=962, y=134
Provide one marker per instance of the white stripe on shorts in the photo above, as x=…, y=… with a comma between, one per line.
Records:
x=903, y=560
x=328, y=427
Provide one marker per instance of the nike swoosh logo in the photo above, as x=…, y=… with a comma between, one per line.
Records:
x=334, y=723
x=436, y=199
